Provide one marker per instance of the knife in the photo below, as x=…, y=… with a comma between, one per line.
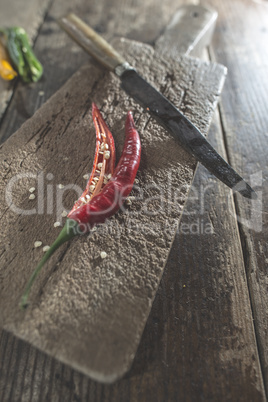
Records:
x=190, y=138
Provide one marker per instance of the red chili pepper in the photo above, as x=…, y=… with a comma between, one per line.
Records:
x=99, y=201
x=111, y=198
x=102, y=168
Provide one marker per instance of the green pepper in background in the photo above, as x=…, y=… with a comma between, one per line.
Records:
x=22, y=55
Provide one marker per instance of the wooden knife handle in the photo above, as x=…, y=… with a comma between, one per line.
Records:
x=91, y=42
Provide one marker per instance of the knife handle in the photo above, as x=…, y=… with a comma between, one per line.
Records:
x=93, y=43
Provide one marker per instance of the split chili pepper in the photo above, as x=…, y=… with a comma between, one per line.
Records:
x=6, y=70
x=106, y=189
x=103, y=168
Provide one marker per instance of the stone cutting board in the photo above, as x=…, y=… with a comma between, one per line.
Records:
x=86, y=311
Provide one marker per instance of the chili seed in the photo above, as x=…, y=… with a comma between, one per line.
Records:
x=37, y=243
x=103, y=254
x=56, y=224
x=32, y=189
x=32, y=197
x=106, y=154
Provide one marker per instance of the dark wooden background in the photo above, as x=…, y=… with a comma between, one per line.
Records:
x=206, y=337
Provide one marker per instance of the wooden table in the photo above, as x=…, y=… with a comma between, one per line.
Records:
x=206, y=337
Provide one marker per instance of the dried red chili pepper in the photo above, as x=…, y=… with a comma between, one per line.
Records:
x=100, y=200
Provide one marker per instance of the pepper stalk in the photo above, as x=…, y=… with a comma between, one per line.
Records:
x=68, y=231
x=6, y=70
x=21, y=54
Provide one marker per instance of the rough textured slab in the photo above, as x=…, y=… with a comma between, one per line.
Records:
x=90, y=312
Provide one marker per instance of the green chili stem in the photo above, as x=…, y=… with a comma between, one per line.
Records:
x=67, y=233
x=22, y=54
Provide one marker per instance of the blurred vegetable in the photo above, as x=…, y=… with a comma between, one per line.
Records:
x=21, y=54
x=6, y=70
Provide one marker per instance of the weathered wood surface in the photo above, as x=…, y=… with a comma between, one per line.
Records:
x=90, y=313
x=175, y=360
x=241, y=45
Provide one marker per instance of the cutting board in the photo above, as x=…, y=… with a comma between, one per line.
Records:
x=87, y=311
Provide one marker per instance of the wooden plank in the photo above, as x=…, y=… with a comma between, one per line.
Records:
x=241, y=44
x=91, y=313
x=28, y=14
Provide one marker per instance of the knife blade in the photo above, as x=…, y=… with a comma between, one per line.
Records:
x=155, y=103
